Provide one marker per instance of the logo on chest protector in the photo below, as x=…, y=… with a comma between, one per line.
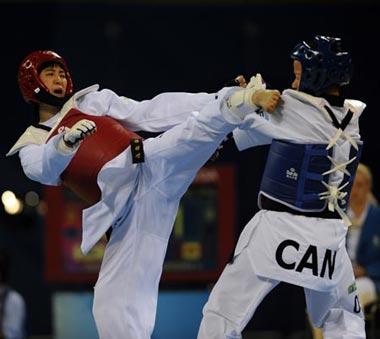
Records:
x=291, y=174
x=63, y=129
x=308, y=261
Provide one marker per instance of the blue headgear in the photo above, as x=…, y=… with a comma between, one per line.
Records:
x=323, y=64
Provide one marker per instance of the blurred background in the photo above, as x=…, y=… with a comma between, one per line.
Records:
x=140, y=49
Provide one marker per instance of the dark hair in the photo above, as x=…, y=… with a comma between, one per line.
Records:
x=48, y=64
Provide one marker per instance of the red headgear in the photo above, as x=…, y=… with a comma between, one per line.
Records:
x=32, y=89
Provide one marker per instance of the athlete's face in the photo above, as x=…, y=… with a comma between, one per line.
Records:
x=54, y=78
x=297, y=69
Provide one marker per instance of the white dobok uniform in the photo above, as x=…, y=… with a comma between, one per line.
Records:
x=139, y=201
x=279, y=246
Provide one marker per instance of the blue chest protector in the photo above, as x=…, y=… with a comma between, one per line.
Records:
x=293, y=175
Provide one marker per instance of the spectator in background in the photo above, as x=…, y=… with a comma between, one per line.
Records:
x=12, y=305
x=363, y=239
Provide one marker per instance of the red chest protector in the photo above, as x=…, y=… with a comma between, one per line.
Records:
x=110, y=139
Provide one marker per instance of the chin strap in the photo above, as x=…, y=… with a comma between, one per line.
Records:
x=50, y=99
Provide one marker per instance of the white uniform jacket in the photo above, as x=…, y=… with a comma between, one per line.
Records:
x=117, y=179
x=277, y=239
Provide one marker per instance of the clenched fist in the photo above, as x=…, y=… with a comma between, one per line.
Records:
x=267, y=99
x=81, y=130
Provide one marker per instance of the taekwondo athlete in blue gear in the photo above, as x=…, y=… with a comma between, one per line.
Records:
x=298, y=236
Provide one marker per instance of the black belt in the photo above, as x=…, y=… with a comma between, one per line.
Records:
x=108, y=233
x=271, y=205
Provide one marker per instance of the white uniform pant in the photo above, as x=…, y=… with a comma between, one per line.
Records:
x=127, y=288
x=125, y=299
x=239, y=291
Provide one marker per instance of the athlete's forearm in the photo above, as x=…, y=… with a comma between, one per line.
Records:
x=44, y=163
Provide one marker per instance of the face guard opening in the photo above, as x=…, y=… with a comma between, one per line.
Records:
x=31, y=87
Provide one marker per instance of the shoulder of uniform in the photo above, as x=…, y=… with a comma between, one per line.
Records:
x=317, y=102
x=355, y=106
x=32, y=135
x=71, y=103
x=84, y=91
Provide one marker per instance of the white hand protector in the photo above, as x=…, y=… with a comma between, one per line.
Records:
x=73, y=137
x=241, y=102
x=252, y=98
x=257, y=82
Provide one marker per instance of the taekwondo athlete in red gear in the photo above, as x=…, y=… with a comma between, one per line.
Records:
x=298, y=236
x=83, y=141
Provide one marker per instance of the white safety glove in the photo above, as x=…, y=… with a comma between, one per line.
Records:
x=241, y=102
x=72, y=138
x=252, y=98
x=257, y=82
